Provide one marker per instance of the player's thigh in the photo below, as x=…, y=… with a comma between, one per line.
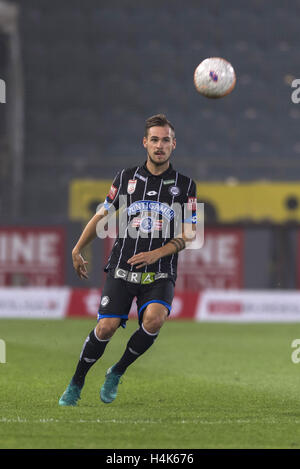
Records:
x=155, y=302
x=115, y=303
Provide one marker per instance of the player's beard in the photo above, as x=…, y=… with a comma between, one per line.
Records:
x=158, y=163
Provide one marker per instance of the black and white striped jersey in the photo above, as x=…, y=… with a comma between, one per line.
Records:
x=151, y=211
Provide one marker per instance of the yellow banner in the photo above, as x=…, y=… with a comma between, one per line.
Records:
x=256, y=201
x=84, y=197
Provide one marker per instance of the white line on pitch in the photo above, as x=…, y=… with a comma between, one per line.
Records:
x=150, y=422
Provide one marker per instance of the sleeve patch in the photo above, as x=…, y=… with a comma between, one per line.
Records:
x=112, y=192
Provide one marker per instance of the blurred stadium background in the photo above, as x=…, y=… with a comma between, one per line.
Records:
x=81, y=78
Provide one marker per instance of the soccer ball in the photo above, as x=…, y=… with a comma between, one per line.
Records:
x=214, y=77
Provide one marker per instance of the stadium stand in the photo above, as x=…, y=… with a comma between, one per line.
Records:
x=94, y=71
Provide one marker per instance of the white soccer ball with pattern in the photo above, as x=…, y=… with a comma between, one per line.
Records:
x=214, y=77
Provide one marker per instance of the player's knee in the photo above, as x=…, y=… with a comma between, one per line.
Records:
x=154, y=317
x=106, y=328
x=152, y=325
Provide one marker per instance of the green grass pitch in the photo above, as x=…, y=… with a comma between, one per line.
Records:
x=202, y=385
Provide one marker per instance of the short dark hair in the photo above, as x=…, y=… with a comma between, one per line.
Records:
x=159, y=120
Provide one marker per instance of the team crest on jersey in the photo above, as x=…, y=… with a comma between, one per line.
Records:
x=105, y=300
x=174, y=190
x=131, y=186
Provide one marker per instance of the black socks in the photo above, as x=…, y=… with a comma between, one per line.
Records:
x=138, y=343
x=92, y=350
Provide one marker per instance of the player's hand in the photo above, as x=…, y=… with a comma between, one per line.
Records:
x=143, y=258
x=79, y=265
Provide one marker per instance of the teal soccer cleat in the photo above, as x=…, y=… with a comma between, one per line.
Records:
x=70, y=396
x=109, y=389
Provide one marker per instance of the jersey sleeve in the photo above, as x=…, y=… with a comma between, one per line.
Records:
x=113, y=196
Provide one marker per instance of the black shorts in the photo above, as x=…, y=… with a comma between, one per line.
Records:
x=118, y=295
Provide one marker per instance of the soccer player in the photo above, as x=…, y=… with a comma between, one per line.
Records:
x=143, y=260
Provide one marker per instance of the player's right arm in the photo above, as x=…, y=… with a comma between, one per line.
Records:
x=87, y=236
x=90, y=231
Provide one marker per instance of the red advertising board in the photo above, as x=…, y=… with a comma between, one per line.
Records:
x=217, y=264
x=84, y=302
x=209, y=305
x=32, y=256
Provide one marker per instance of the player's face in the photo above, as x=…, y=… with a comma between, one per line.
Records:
x=159, y=143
